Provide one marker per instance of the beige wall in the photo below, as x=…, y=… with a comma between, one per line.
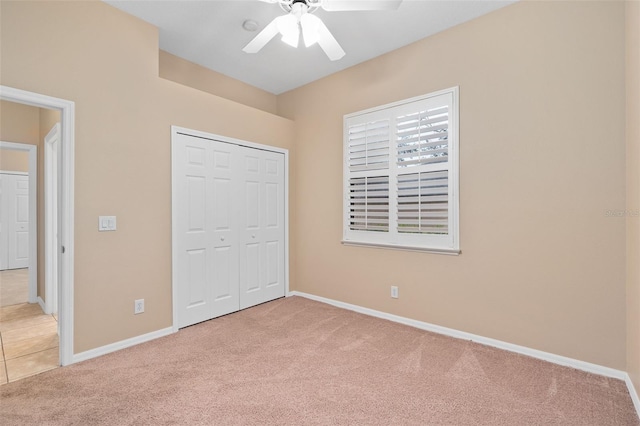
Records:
x=19, y=123
x=541, y=264
x=14, y=161
x=107, y=63
x=633, y=191
x=193, y=75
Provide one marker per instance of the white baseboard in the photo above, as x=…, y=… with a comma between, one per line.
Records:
x=42, y=305
x=534, y=353
x=103, y=350
x=633, y=393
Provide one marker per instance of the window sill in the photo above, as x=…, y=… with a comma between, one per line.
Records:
x=451, y=252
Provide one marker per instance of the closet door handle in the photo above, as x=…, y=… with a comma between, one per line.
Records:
x=221, y=238
x=253, y=236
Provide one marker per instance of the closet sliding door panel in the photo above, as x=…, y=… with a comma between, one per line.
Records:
x=261, y=227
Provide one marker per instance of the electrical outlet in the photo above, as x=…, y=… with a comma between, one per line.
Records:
x=138, y=306
x=394, y=291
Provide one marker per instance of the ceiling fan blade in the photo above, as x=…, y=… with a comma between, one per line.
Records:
x=328, y=43
x=263, y=37
x=346, y=5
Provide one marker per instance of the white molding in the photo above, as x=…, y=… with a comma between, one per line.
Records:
x=450, y=252
x=534, y=353
x=66, y=220
x=123, y=344
x=32, y=151
x=9, y=172
x=42, y=305
x=632, y=393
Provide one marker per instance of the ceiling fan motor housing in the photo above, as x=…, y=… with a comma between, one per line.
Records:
x=309, y=6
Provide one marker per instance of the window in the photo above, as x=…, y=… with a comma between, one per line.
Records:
x=401, y=174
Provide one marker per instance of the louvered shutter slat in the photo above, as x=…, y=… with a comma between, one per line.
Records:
x=423, y=206
x=368, y=146
x=422, y=138
x=369, y=203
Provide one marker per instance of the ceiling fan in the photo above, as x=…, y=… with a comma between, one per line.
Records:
x=300, y=16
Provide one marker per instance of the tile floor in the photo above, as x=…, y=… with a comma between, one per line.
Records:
x=14, y=287
x=29, y=340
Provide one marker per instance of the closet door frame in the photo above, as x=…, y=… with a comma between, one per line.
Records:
x=175, y=131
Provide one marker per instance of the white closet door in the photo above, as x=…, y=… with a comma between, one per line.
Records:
x=19, y=222
x=14, y=221
x=207, y=267
x=261, y=227
x=4, y=222
x=222, y=214
x=229, y=235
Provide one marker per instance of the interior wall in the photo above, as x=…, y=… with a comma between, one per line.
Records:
x=107, y=63
x=632, y=212
x=542, y=264
x=193, y=75
x=19, y=123
x=14, y=161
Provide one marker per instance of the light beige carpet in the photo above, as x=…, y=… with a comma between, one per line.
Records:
x=298, y=362
x=14, y=286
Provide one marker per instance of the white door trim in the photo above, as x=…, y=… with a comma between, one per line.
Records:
x=175, y=130
x=32, y=150
x=51, y=263
x=66, y=207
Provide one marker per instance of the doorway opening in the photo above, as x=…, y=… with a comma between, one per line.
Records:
x=56, y=245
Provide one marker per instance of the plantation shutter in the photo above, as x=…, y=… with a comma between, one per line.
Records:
x=423, y=203
x=401, y=174
x=423, y=137
x=369, y=146
x=369, y=203
x=423, y=147
x=368, y=150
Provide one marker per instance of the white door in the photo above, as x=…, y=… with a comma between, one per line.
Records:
x=4, y=221
x=15, y=221
x=228, y=207
x=206, y=237
x=51, y=160
x=262, y=227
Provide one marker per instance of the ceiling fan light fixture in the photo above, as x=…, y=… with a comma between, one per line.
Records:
x=298, y=18
x=310, y=25
x=289, y=29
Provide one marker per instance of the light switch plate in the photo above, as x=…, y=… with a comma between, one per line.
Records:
x=106, y=223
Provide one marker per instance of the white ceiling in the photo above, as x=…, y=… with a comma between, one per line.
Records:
x=210, y=34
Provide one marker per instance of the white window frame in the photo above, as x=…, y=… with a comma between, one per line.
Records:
x=445, y=244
